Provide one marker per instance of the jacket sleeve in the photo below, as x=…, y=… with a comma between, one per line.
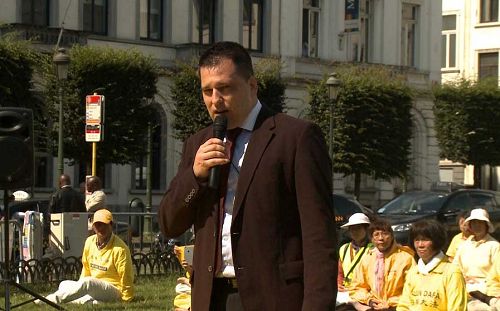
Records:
x=493, y=280
x=53, y=203
x=404, y=299
x=360, y=289
x=126, y=273
x=313, y=186
x=407, y=263
x=179, y=204
x=78, y=203
x=456, y=293
x=96, y=201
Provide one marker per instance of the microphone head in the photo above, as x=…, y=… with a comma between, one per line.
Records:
x=220, y=126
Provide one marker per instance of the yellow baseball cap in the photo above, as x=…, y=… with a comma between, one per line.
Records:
x=102, y=215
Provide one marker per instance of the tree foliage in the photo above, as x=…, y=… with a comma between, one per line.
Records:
x=467, y=121
x=190, y=114
x=127, y=79
x=372, y=122
x=272, y=88
x=19, y=62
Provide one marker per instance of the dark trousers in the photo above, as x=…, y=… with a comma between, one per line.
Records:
x=225, y=296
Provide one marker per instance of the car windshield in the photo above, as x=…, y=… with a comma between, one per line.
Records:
x=414, y=203
x=344, y=206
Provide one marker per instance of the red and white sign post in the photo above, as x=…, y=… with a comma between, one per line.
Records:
x=94, y=124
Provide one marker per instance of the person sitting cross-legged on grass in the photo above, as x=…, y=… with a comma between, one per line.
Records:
x=351, y=253
x=435, y=284
x=378, y=281
x=476, y=255
x=107, y=273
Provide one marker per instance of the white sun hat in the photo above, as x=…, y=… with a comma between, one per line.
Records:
x=357, y=219
x=481, y=214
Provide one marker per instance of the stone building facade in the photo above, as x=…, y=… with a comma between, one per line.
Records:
x=308, y=36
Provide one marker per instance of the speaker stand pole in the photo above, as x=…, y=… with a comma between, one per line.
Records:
x=7, y=277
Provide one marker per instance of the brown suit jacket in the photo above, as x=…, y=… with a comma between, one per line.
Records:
x=283, y=234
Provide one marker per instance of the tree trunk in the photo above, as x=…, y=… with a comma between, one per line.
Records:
x=357, y=185
x=477, y=176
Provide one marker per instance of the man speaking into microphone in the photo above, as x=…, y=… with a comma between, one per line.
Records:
x=265, y=235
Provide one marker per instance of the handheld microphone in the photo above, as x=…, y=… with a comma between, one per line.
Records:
x=220, y=127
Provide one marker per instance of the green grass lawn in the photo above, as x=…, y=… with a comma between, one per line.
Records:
x=151, y=293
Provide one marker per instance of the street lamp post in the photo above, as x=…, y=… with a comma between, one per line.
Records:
x=334, y=85
x=61, y=62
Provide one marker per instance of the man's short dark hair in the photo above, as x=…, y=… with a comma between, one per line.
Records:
x=228, y=50
x=429, y=229
x=380, y=224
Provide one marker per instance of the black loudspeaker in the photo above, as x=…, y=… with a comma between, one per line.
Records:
x=17, y=160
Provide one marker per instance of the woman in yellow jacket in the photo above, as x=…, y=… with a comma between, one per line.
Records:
x=434, y=284
x=379, y=278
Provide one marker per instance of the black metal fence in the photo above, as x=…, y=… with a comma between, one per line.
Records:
x=151, y=252
x=59, y=268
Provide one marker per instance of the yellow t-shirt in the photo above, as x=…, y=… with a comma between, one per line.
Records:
x=475, y=258
x=441, y=289
x=455, y=243
x=112, y=264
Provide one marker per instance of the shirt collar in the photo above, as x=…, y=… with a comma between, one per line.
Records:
x=486, y=238
x=431, y=265
x=105, y=244
x=249, y=122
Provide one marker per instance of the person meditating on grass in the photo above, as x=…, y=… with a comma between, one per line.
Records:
x=476, y=255
x=434, y=284
x=378, y=281
x=107, y=273
x=351, y=253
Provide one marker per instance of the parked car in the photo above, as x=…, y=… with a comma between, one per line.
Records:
x=344, y=207
x=441, y=204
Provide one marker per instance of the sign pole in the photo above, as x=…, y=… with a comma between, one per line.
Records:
x=94, y=124
x=94, y=158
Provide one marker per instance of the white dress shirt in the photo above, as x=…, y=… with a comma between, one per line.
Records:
x=238, y=155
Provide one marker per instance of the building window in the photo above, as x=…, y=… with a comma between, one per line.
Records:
x=35, y=12
x=151, y=19
x=252, y=24
x=488, y=11
x=310, y=28
x=488, y=66
x=449, y=42
x=367, y=26
x=203, y=27
x=409, y=25
x=95, y=16
x=140, y=167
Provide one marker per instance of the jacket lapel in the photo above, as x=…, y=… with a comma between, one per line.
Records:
x=262, y=134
